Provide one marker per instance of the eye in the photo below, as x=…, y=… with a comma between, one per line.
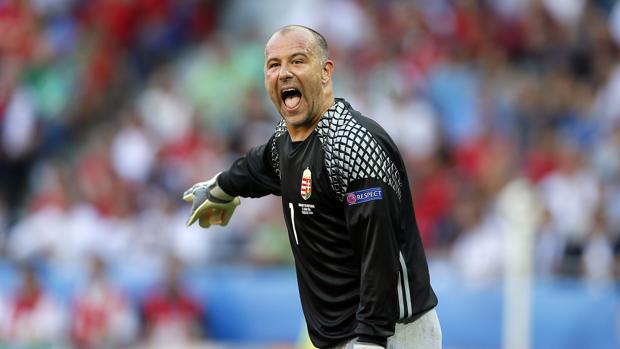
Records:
x=297, y=61
x=273, y=65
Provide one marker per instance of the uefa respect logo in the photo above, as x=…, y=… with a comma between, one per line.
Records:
x=361, y=196
x=351, y=199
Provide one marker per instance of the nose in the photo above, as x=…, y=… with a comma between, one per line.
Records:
x=285, y=73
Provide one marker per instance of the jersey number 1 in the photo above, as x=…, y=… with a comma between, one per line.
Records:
x=290, y=205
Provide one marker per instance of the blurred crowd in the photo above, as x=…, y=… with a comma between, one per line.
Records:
x=99, y=313
x=109, y=109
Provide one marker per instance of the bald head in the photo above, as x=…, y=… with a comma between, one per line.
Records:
x=318, y=38
x=298, y=77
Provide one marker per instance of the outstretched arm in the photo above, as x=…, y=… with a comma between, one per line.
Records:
x=253, y=175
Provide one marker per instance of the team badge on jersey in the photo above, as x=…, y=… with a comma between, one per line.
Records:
x=306, y=184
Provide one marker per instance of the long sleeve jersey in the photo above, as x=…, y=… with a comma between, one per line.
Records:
x=358, y=255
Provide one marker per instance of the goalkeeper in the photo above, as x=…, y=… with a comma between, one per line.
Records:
x=361, y=270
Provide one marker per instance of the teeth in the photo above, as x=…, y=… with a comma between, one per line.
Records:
x=285, y=91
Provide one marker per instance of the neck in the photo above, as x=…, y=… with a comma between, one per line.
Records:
x=299, y=134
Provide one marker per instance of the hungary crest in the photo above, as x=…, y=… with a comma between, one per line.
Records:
x=306, y=184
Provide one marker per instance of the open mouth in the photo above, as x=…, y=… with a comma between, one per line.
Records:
x=291, y=97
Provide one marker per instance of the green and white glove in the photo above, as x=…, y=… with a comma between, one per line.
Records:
x=210, y=204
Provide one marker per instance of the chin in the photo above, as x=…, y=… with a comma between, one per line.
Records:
x=297, y=119
x=291, y=116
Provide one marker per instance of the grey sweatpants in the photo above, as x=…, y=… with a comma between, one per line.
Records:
x=424, y=333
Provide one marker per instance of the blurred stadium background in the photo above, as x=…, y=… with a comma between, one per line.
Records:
x=109, y=109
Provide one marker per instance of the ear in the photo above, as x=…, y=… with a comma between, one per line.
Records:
x=326, y=73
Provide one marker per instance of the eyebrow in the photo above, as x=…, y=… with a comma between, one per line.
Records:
x=299, y=54
x=294, y=54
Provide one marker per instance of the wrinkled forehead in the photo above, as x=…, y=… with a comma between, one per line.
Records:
x=288, y=42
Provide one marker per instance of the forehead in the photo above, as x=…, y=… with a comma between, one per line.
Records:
x=292, y=41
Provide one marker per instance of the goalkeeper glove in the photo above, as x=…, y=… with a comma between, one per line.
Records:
x=210, y=204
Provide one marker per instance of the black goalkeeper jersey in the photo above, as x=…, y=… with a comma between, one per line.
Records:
x=347, y=205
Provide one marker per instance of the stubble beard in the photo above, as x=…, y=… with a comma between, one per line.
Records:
x=305, y=121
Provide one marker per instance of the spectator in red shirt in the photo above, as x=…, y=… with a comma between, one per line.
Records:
x=32, y=316
x=102, y=316
x=171, y=315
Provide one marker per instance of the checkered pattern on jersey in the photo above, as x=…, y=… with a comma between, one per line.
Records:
x=351, y=152
x=275, y=158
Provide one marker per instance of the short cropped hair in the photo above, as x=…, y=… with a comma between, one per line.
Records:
x=320, y=39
